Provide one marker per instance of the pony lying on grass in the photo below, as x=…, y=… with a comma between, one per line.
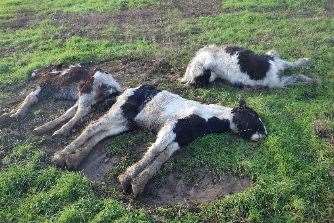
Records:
x=242, y=67
x=176, y=120
x=75, y=83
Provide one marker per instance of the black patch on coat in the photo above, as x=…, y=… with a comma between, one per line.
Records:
x=104, y=98
x=233, y=49
x=194, y=126
x=64, y=78
x=103, y=93
x=203, y=79
x=137, y=101
x=247, y=121
x=256, y=66
x=216, y=125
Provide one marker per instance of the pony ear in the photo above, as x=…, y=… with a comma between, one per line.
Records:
x=242, y=103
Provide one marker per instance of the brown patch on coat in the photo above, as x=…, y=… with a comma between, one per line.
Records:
x=104, y=99
x=74, y=75
x=56, y=76
x=86, y=86
x=101, y=92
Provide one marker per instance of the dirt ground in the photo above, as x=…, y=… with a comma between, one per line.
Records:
x=174, y=188
x=132, y=72
x=323, y=130
x=204, y=186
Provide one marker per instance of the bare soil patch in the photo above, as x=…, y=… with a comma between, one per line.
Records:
x=17, y=132
x=151, y=23
x=22, y=19
x=97, y=165
x=330, y=7
x=203, y=187
x=197, y=8
x=323, y=130
x=132, y=72
x=157, y=23
x=81, y=24
x=175, y=188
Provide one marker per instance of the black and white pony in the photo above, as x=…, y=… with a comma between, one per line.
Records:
x=242, y=67
x=74, y=83
x=176, y=120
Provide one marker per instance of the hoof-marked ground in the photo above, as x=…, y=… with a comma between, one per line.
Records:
x=289, y=177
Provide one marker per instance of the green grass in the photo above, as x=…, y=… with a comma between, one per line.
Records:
x=289, y=169
x=32, y=192
x=285, y=6
x=10, y=6
x=38, y=46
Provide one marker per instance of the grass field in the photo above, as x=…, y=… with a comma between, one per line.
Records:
x=290, y=174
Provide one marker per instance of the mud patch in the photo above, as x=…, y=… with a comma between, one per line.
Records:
x=152, y=23
x=330, y=7
x=324, y=131
x=204, y=187
x=331, y=172
x=97, y=164
x=132, y=72
x=196, y=8
x=22, y=19
x=83, y=24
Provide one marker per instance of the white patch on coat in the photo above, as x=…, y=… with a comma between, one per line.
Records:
x=167, y=107
x=107, y=79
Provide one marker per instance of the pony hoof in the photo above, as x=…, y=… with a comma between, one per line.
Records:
x=69, y=161
x=125, y=182
x=38, y=131
x=59, y=159
x=137, y=187
x=58, y=133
